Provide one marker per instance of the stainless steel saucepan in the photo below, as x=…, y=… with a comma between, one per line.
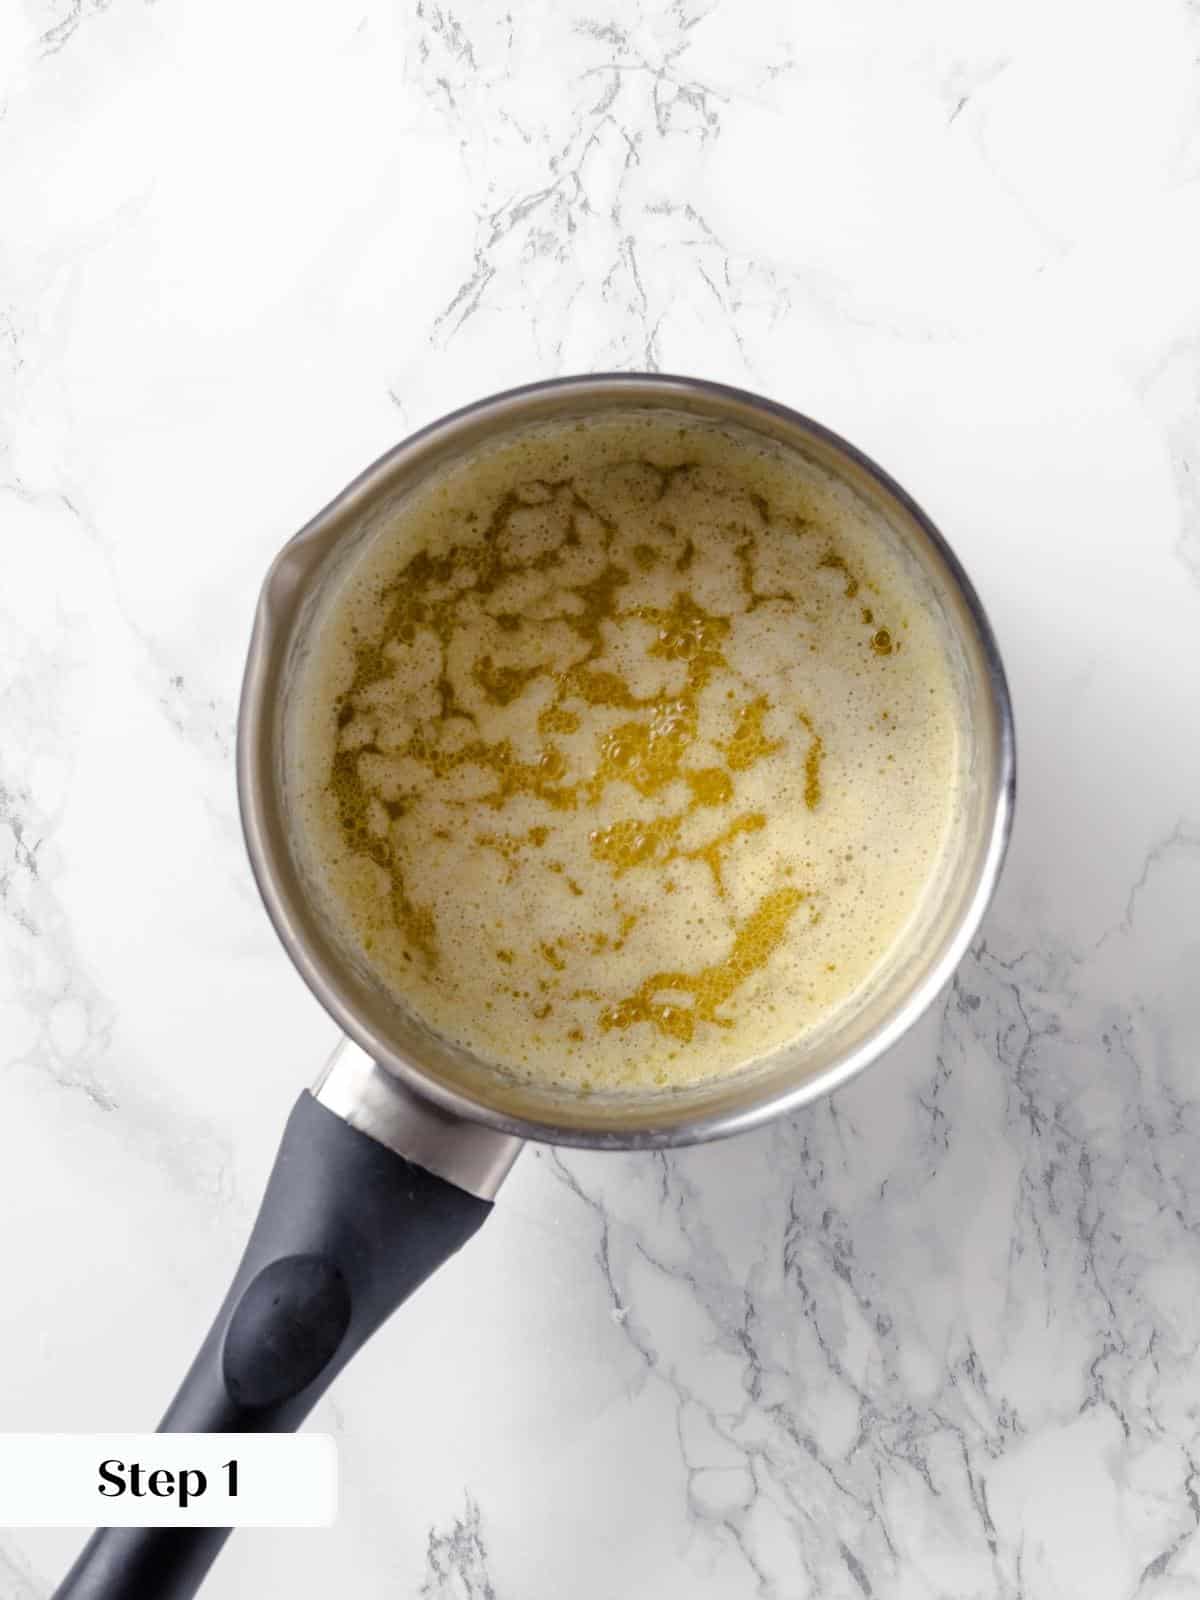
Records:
x=392, y=1161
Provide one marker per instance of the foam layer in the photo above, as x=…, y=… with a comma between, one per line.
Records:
x=625, y=753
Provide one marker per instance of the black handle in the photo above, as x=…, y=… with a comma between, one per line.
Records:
x=346, y=1231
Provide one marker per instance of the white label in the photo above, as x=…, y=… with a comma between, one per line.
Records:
x=171, y=1480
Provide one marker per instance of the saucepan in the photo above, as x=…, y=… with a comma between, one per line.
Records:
x=393, y=1159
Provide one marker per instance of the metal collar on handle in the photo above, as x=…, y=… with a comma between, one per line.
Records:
x=468, y=1154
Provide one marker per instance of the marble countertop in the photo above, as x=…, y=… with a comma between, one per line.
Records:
x=934, y=1337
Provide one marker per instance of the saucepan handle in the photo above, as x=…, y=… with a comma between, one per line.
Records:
x=348, y=1228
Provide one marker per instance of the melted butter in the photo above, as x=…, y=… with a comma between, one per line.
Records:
x=631, y=844
x=611, y=664
x=711, y=987
x=747, y=744
x=711, y=852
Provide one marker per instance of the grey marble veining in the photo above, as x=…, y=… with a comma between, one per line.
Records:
x=936, y=1338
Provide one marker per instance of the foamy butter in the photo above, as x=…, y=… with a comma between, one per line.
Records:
x=625, y=752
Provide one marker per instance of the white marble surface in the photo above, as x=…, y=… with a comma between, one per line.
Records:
x=936, y=1337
